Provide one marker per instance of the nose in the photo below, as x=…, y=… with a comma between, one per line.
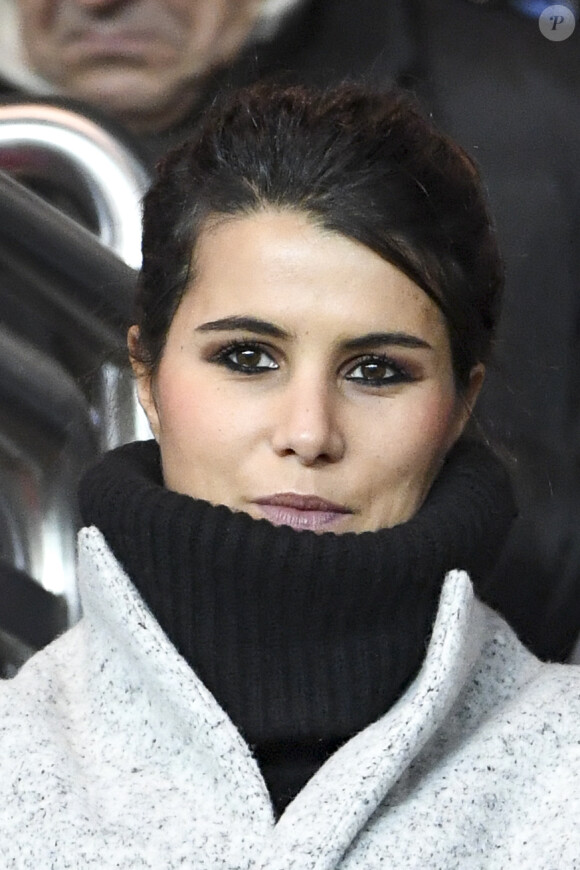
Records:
x=307, y=423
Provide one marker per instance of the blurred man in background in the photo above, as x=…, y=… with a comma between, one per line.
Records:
x=143, y=63
x=139, y=61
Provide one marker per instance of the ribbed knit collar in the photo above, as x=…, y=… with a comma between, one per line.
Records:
x=303, y=638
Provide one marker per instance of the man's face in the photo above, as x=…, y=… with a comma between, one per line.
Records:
x=139, y=61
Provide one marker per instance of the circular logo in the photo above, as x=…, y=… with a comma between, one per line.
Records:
x=557, y=23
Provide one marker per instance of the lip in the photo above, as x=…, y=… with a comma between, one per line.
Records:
x=301, y=511
x=110, y=42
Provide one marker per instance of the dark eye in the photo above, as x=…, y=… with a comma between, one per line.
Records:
x=377, y=371
x=246, y=358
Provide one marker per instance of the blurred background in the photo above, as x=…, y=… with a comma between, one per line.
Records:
x=93, y=92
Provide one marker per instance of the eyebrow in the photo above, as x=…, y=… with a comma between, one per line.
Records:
x=244, y=324
x=264, y=327
x=375, y=339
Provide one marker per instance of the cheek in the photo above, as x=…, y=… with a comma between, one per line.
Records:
x=181, y=18
x=216, y=27
x=408, y=458
x=195, y=415
x=436, y=422
x=202, y=20
x=417, y=436
x=204, y=438
x=437, y=427
x=38, y=16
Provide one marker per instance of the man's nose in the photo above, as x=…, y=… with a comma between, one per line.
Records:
x=99, y=5
x=307, y=423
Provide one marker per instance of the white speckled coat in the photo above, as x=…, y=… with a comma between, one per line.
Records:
x=114, y=755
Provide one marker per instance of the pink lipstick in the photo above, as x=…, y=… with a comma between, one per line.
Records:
x=301, y=511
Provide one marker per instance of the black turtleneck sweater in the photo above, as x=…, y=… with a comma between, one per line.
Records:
x=303, y=638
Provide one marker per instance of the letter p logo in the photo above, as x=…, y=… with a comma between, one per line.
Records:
x=557, y=23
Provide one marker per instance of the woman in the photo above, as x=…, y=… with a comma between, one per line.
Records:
x=281, y=662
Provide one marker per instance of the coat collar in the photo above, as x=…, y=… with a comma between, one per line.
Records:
x=131, y=656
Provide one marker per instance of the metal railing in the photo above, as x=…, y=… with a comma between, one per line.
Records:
x=66, y=286
x=61, y=150
x=47, y=437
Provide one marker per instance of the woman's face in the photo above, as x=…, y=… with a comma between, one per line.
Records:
x=305, y=380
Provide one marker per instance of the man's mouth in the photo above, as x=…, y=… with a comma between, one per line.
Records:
x=111, y=42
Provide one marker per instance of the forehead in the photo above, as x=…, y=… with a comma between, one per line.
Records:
x=282, y=266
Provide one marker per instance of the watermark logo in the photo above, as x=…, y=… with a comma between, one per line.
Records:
x=557, y=23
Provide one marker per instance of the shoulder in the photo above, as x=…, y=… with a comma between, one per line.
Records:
x=36, y=703
x=53, y=681
x=511, y=742
x=517, y=709
x=509, y=673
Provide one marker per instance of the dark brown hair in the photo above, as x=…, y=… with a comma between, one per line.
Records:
x=364, y=164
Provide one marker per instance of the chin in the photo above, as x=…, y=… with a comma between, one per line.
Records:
x=119, y=91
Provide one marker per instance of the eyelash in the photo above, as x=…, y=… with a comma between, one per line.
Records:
x=399, y=373
x=223, y=357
